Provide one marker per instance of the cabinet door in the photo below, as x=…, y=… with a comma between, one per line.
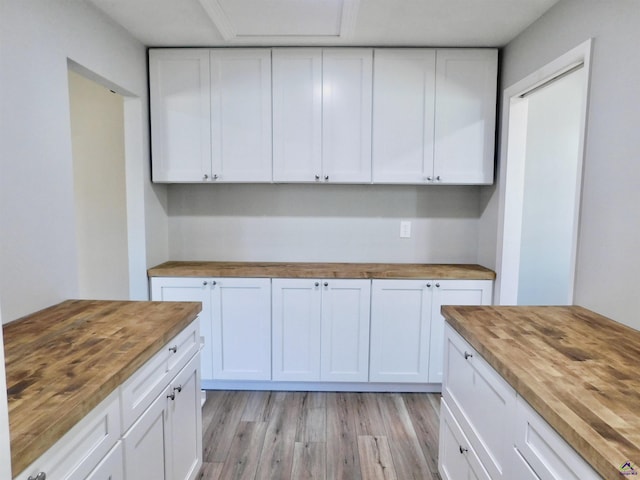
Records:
x=400, y=326
x=241, y=311
x=297, y=115
x=111, y=467
x=403, y=110
x=456, y=458
x=186, y=424
x=145, y=456
x=451, y=292
x=180, y=115
x=296, y=329
x=170, y=289
x=241, y=115
x=346, y=114
x=482, y=401
x=465, y=115
x=345, y=330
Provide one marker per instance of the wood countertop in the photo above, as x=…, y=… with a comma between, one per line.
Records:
x=322, y=270
x=63, y=361
x=579, y=370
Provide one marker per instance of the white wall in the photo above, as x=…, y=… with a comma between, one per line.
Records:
x=609, y=235
x=359, y=223
x=97, y=138
x=38, y=264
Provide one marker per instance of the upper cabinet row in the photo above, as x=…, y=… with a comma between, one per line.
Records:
x=337, y=115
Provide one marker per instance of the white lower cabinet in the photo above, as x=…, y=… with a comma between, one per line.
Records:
x=166, y=441
x=407, y=329
x=495, y=432
x=235, y=323
x=111, y=467
x=320, y=330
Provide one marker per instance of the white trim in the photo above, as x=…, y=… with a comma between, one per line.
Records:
x=349, y=18
x=512, y=171
x=219, y=18
x=321, y=386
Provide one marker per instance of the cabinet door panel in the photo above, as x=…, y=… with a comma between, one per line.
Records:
x=451, y=292
x=242, y=329
x=297, y=114
x=180, y=114
x=241, y=115
x=186, y=423
x=171, y=289
x=403, y=110
x=345, y=330
x=296, y=329
x=346, y=114
x=145, y=455
x=400, y=313
x=465, y=115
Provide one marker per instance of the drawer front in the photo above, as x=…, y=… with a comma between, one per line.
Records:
x=183, y=347
x=542, y=447
x=521, y=469
x=457, y=460
x=481, y=400
x=140, y=390
x=80, y=450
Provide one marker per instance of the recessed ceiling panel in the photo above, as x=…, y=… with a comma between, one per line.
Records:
x=283, y=17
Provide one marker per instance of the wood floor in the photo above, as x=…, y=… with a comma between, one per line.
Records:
x=317, y=435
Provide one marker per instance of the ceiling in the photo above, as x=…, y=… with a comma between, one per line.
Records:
x=463, y=23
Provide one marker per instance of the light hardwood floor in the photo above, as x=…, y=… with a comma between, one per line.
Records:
x=317, y=435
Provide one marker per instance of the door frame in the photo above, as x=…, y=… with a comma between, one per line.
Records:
x=512, y=157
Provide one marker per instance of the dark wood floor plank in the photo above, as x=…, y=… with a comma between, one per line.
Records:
x=407, y=454
x=276, y=459
x=224, y=422
x=309, y=461
x=427, y=426
x=375, y=458
x=342, y=442
x=244, y=452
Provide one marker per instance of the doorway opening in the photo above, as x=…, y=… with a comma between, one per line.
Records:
x=99, y=178
x=540, y=186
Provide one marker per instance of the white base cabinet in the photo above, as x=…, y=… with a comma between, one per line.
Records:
x=407, y=329
x=488, y=431
x=235, y=323
x=321, y=330
x=166, y=441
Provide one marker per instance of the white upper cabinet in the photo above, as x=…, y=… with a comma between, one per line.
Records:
x=180, y=115
x=322, y=115
x=434, y=116
x=403, y=115
x=297, y=115
x=465, y=115
x=347, y=79
x=416, y=116
x=241, y=115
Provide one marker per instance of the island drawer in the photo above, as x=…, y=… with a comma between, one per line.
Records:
x=480, y=400
x=138, y=392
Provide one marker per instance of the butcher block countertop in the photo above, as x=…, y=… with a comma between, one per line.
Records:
x=579, y=370
x=322, y=270
x=63, y=361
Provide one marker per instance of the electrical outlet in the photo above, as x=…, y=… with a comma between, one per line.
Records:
x=405, y=229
